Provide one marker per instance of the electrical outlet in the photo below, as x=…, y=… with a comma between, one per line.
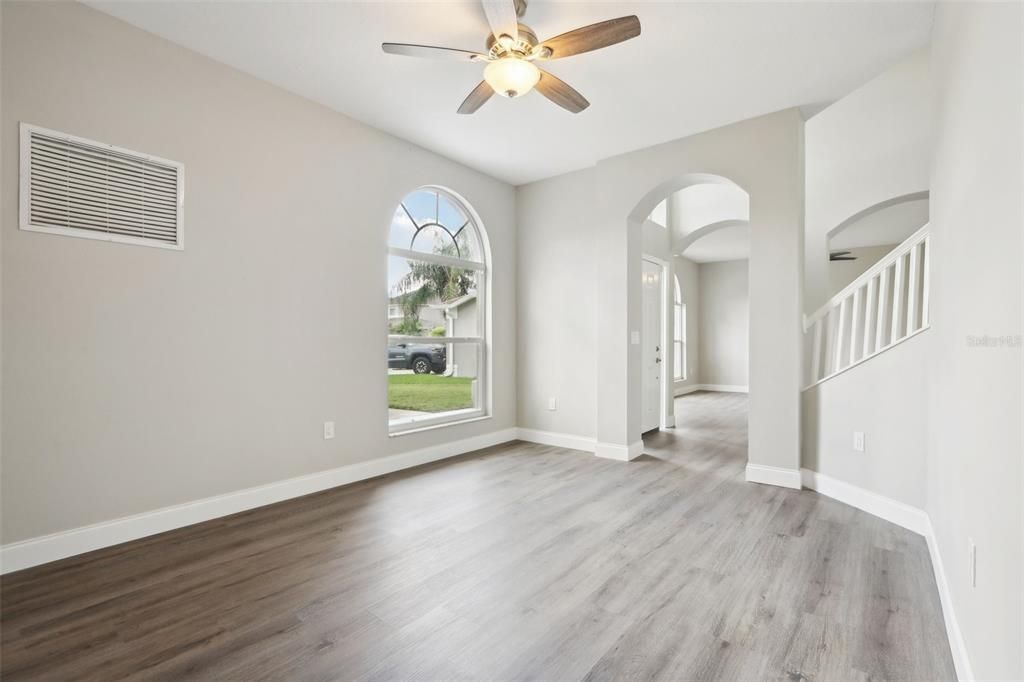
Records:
x=328, y=430
x=972, y=557
x=552, y=403
x=858, y=441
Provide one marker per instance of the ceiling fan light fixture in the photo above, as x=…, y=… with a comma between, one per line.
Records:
x=511, y=76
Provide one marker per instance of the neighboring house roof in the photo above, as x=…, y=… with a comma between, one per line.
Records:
x=454, y=303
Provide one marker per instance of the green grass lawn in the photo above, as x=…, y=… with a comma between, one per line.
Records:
x=429, y=392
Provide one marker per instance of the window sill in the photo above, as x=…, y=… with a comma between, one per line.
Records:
x=442, y=425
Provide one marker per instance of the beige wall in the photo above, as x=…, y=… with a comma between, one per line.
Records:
x=869, y=147
x=886, y=399
x=724, y=323
x=976, y=396
x=136, y=378
x=582, y=242
x=557, y=302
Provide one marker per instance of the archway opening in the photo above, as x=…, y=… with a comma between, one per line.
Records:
x=698, y=232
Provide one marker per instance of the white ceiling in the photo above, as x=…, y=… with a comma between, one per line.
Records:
x=729, y=243
x=696, y=66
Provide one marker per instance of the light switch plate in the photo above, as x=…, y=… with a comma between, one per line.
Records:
x=634, y=338
x=328, y=430
x=858, y=441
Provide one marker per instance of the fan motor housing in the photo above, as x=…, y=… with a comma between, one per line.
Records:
x=520, y=48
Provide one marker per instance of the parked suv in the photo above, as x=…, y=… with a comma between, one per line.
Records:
x=421, y=358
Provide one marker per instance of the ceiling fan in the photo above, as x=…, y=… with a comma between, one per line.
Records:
x=841, y=255
x=513, y=52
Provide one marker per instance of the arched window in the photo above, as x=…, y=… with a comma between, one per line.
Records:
x=436, y=313
x=679, y=334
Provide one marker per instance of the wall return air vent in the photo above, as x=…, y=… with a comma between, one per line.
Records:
x=82, y=188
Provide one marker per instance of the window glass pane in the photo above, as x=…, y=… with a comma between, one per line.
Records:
x=422, y=206
x=469, y=245
x=435, y=239
x=678, y=323
x=678, y=368
x=431, y=299
x=402, y=229
x=427, y=381
x=450, y=214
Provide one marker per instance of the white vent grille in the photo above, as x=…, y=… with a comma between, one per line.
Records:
x=82, y=188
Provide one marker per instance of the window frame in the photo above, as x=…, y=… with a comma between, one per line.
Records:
x=481, y=408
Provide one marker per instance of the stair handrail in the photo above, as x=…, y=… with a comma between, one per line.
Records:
x=887, y=260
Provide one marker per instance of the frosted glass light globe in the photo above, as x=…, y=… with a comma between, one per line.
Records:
x=511, y=77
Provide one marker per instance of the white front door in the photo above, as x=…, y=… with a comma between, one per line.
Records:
x=650, y=347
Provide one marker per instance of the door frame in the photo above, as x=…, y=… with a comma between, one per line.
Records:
x=667, y=418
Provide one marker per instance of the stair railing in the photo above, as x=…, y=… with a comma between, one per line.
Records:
x=884, y=306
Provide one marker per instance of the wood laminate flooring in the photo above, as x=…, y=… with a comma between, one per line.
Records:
x=519, y=561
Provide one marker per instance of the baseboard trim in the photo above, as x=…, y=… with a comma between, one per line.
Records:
x=891, y=510
x=559, y=440
x=780, y=476
x=35, y=551
x=683, y=390
x=723, y=388
x=622, y=453
x=961, y=661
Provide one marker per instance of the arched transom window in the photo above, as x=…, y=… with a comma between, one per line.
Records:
x=436, y=307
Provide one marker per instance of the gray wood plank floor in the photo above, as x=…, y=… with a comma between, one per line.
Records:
x=516, y=562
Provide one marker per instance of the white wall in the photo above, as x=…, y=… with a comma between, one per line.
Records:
x=724, y=328
x=886, y=399
x=656, y=241
x=557, y=331
x=975, y=444
x=688, y=273
x=869, y=147
x=136, y=378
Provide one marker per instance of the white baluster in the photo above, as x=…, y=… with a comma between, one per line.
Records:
x=853, y=326
x=840, y=329
x=866, y=342
x=925, y=277
x=912, y=292
x=816, y=350
x=883, y=298
x=897, y=302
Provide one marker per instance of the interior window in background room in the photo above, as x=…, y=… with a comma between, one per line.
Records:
x=679, y=334
x=437, y=272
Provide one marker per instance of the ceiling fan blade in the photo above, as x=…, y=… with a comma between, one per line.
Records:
x=476, y=98
x=432, y=52
x=502, y=17
x=593, y=37
x=561, y=93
